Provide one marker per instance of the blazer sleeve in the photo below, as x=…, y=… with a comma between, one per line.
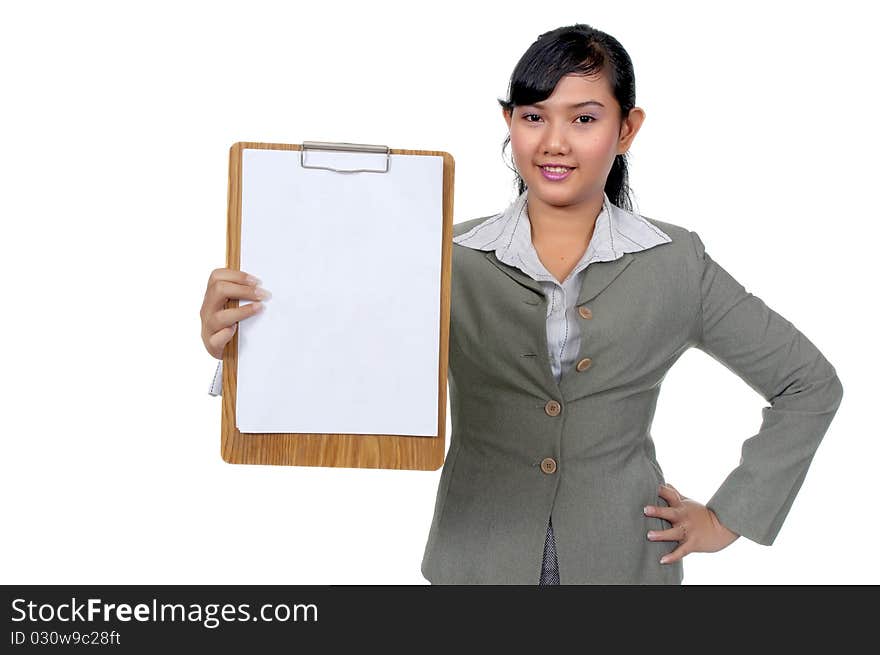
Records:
x=217, y=383
x=788, y=371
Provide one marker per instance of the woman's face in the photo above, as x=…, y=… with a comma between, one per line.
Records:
x=578, y=126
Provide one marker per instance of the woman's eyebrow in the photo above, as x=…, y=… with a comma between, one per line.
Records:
x=574, y=105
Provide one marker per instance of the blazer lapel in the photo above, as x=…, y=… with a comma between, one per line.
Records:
x=599, y=275
x=514, y=273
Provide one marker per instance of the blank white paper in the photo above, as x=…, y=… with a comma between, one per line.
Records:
x=349, y=342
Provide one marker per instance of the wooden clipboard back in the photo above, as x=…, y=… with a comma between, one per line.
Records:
x=424, y=453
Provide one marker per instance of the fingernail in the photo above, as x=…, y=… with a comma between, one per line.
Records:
x=258, y=306
x=650, y=534
x=253, y=280
x=663, y=560
x=647, y=510
x=262, y=294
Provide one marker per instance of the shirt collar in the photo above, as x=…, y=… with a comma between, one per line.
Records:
x=509, y=234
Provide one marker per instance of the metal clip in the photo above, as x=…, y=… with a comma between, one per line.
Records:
x=345, y=147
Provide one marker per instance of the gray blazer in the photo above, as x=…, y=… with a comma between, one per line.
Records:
x=524, y=447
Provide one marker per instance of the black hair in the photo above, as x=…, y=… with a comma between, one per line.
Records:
x=582, y=50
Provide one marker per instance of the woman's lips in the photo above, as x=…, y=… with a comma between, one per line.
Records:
x=554, y=175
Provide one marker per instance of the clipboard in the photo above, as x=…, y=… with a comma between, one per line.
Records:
x=335, y=449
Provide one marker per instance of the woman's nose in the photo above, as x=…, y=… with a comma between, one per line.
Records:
x=555, y=140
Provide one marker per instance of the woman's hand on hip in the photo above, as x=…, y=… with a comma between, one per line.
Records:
x=695, y=527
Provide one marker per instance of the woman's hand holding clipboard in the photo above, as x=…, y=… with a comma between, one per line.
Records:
x=219, y=322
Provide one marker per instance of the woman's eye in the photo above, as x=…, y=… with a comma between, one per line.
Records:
x=527, y=116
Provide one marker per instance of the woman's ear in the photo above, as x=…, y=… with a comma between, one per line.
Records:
x=629, y=128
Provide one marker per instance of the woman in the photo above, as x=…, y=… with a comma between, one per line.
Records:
x=567, y=311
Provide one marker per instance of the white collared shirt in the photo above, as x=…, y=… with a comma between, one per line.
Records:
x=509, y=234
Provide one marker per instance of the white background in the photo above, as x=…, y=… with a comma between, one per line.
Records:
x=116, y=124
